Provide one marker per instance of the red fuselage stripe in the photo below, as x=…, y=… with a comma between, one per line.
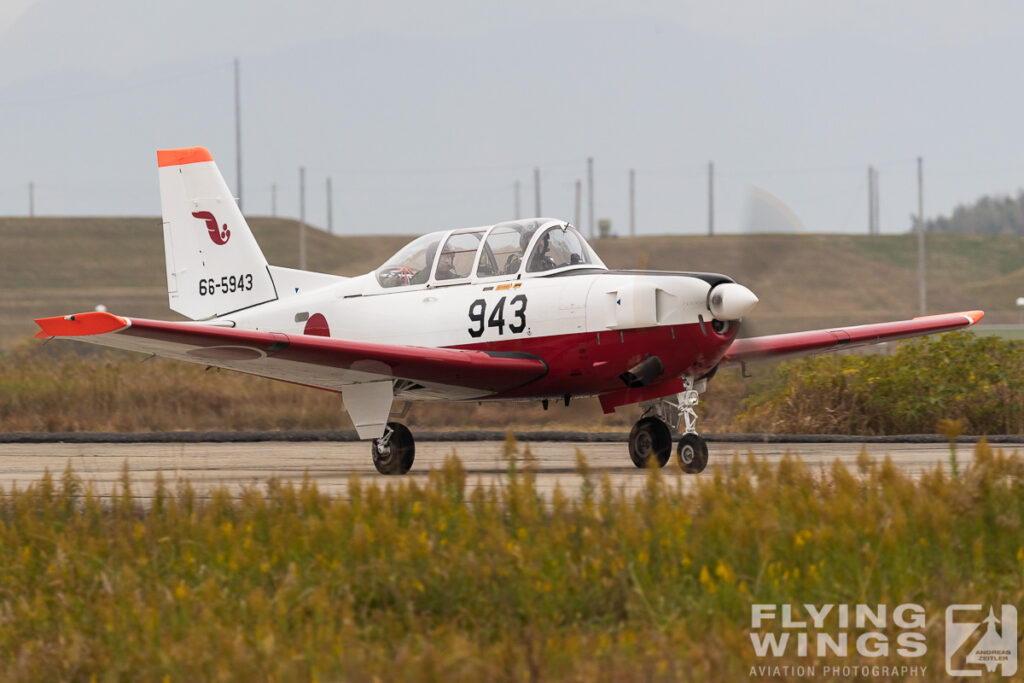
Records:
x=589, y=363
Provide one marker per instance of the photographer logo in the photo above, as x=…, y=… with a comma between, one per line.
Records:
x=975, y=643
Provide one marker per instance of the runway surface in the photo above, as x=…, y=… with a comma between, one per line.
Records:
x=330, y=465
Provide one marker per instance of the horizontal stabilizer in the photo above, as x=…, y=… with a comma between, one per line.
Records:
x=79, y=325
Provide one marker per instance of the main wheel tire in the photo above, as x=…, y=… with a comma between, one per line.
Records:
x=399, y=454
x=649, y=438
x=692, y=453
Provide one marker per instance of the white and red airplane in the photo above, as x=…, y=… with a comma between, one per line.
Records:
x=518, y=311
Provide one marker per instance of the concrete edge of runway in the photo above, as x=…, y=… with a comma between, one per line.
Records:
x=298, y=435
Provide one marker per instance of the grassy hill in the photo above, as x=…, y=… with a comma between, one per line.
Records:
x=61, y=265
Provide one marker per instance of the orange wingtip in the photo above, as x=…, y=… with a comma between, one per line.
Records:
x=79, y=325
x=180, y=157
x=974, y=316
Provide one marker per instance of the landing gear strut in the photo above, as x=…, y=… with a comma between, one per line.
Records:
x=653, y=429
x=394, y=452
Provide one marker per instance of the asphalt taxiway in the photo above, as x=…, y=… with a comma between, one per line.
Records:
x=332, y=465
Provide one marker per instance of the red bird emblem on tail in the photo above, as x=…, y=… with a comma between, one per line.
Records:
x=219, y=234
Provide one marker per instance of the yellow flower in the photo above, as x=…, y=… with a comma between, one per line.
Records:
x=725, y=573
x=706, y=580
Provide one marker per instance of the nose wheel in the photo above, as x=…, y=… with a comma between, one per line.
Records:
x=394, y=452
x=692, y=453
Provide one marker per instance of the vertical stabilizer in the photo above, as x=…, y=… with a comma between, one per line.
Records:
x=214, y=265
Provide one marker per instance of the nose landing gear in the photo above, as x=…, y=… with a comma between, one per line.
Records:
x=651, y=435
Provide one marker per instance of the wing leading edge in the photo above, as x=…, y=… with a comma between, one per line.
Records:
x=793, y=344
x=314, y=361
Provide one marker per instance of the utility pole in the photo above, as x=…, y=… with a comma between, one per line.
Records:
x=302, y=218
x=519, y=212
x=871, y=200
x=590, y=195
x=273, y=200
x=922, y=290
x=238, y=138
x=536, y=191
x=31, y=199
x=878, y=221
x=711, y=199
x=874, y=224
x=632, y=203
x=330, y=216
x=579, y=199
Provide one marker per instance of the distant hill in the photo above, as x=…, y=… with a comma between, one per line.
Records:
x=987, y=216
x=61, y=265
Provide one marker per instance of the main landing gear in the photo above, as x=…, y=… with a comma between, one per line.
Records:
x=394, y=452
x=651, y=436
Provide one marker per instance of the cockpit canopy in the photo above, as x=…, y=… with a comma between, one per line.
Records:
x=509, y=250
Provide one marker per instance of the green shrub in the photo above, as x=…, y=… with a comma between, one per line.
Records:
x=978, y=379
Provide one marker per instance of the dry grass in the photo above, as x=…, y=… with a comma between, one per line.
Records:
x=451, y=582
x=51, y=388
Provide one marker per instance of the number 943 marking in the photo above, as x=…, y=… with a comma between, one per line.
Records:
x=478, y=316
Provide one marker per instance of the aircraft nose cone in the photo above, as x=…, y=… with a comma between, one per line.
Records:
x=731, y=301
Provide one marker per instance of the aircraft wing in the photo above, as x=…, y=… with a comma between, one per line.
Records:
x=778, y=346
x=315, y=361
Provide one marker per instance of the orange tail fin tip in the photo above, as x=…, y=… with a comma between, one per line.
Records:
x=180, y=157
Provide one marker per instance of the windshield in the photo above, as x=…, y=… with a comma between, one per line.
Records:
x=411, y=265
x=559, y=246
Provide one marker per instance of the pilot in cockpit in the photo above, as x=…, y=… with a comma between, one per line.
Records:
x=541, y=259
x=423, y=274
x=446, y=265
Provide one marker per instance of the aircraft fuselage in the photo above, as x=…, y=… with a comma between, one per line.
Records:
x=589, y=325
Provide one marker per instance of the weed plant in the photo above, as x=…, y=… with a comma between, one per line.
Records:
x=447, y=580
x=976, y=379
x=67, y=386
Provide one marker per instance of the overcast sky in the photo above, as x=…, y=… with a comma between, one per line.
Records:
x=426, y=114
